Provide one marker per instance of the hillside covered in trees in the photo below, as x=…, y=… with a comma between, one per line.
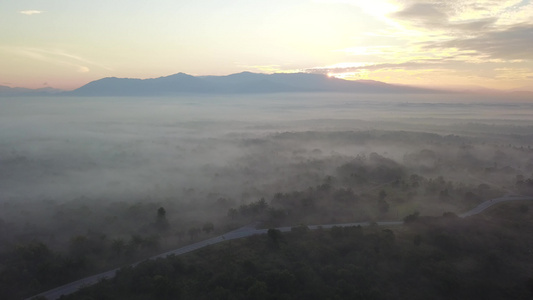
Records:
x=483, y=257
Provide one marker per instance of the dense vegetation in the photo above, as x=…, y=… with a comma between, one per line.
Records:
x=483, y=257
x=280, y=179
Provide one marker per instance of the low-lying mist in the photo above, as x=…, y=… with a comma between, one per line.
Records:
x=127, y=147
x=89, y=184
x=191, y=152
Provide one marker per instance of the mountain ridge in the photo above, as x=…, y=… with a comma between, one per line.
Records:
x=17, y=91
x=238, y=83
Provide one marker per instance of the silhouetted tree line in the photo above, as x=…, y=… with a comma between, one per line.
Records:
x=341, y=199
x=525, y=185
x=433, y=258
x=33, y=267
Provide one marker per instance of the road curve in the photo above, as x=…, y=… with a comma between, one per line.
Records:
x=242, y=232
x=484, y=205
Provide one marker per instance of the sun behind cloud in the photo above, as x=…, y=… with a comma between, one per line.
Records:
x=414, y=42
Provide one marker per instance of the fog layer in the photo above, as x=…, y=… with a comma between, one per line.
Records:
x=189, y=153
x=126, y=147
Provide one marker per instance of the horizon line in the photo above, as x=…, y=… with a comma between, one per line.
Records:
x=447, y=88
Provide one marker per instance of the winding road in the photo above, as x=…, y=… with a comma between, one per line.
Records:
x=242, y=232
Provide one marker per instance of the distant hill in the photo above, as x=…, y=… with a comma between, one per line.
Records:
x=13, y=92
x=241, y=83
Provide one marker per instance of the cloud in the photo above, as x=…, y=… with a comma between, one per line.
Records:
x=510, y=44
x=517, y=15
x=263, y=68
x=423, y=14
x=475, y=30
x=31, y=12
x=514, y=73
x=444, y=19
x=458, y=10
x=461, y=10
x=411, y=65
x=376, y=8
x=83, y=69
x=430, y=17
x=479, y=40
x=366, y=50
x=57, y=56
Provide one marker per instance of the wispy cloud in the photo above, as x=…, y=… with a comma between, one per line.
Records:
x=31, y=12
x=59, y=57
x=437, y=21
x=510, y=44
x=365, y=50
x=429, y=17
x=267, y=68
x=411, y=65
x=514, y=73
x=444, y=37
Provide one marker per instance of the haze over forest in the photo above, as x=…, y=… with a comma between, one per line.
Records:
x=278, y=114
x=91, y=172
x=78, y=143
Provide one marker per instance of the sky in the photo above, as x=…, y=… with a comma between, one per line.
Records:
x=454, y=43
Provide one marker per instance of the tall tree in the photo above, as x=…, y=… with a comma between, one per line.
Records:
x=161, y=221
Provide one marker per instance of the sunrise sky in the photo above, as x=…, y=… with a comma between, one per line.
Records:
x=66, y=44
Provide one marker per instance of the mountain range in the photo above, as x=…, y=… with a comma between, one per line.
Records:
x=246, y=82
x=15, y=91
x=240, y=83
